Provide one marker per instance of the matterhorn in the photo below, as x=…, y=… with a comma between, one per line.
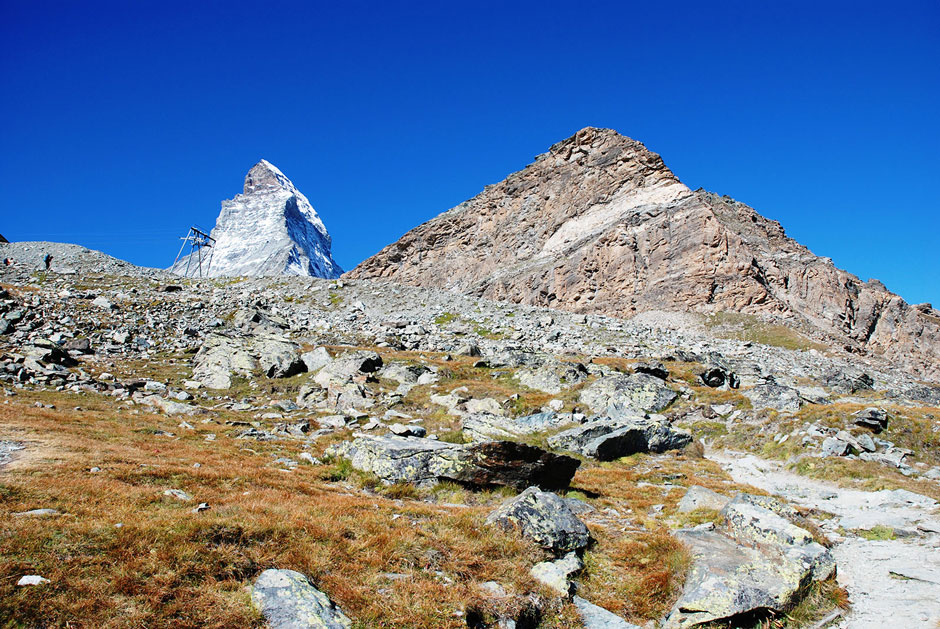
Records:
x=269, y=229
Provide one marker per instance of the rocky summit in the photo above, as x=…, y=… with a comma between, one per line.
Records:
x=599, y=224
x=269, y=229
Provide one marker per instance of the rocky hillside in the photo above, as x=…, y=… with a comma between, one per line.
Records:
x=269, y=229
x=599, y=224
x=355, y=453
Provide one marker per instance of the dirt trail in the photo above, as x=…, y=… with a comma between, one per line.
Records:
x=895, y=581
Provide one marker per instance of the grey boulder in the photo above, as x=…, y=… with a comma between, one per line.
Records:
x=596, y=617
x=553, y=377
x=609, y=438
x=640, y=392
x=487, y=426
x=288, y=601
x=543, y=517
x=426, y=461
x=348, y=366
x=875, y=419
x=774, y=396
x=757, y=560
x=221, y=357
x=698, y=497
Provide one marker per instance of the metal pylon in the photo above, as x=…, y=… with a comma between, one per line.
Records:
x=198, y=240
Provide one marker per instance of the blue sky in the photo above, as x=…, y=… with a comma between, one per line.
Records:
x=125, y=122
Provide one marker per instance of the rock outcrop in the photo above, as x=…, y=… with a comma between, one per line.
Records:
x=426, y=462
x=269, y=229
x=599, y=224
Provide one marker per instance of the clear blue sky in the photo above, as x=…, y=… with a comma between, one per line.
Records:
x=125, y=122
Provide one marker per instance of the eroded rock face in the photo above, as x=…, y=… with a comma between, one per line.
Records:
x=425, y=462
x=599, y=224
x=288, y=601
x=269, y=229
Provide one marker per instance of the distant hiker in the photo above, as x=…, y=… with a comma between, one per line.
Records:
x=47, y=260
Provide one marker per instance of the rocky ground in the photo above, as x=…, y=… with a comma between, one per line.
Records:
x=235, y=452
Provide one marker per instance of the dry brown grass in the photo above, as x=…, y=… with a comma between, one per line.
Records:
x=169, y=567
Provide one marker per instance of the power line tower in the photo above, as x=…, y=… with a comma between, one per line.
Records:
x=198, y=240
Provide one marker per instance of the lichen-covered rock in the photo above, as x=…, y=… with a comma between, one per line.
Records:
x=344, y=368
x=639, y=392
x=757, y=560
x=596, y=617
x=608, y=438
x=774, y=396
x=489, y=427
x=220, y=358
x=553, y=377
x=288, y=601
x=278, y=357
x=556, y=574
x=544, y=518
x=698, y=497
x=425, y=462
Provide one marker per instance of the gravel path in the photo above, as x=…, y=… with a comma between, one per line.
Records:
x=889, y=581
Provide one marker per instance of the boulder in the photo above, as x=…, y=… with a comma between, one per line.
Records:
x=346, y=367
x=484, y=405
x=608, y=438
x=774, y=396
x=834, y=447
x=409, y=430
x=875, y=419
x=288, y=601
x=653, y=368
x=639, y=392
x=544, y=518
x=596, y=617
x=487, y=427
x=79, y=346
x=404, y=373
x=426, y=462
x=698, y=497
x=219, y=358
x=553, y=377
x=316, y=359
x=757, y=560
x=718, y=377
x=556, y=574
x=278, y=357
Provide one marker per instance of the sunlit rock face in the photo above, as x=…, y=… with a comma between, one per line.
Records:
x=269, y=229
x=599, y=224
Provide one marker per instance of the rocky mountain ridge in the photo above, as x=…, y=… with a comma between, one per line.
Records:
x=269, y=229
x=599, y=224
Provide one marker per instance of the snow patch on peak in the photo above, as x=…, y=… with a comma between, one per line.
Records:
x=270, y=229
